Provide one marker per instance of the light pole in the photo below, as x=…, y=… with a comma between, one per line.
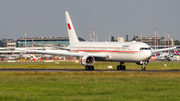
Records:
x=25, y=41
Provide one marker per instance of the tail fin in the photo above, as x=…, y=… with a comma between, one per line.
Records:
x=176, y=53
x=71, y=32
x=157, y=54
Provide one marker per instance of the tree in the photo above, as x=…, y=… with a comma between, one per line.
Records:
x=134, y=38
x=176, y=42
x=112, y=39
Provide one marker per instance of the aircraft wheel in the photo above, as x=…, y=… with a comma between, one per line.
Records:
x=123, y=67
x=118, y=67
x=143, y=68
x=89, y=68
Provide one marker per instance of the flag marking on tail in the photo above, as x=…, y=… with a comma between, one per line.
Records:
x=69, y=26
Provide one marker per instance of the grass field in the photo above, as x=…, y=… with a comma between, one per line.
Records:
x=98, y=65
x=57, y=86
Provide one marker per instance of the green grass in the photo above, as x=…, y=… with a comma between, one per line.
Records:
x=88, y=86
x=57, y=86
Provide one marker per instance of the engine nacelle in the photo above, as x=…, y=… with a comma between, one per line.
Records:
x=87, y=60
x=141, y=63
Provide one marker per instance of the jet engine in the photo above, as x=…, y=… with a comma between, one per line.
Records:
x=141, y=63
x=87, y=60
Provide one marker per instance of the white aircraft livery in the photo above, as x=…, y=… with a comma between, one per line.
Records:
x=89, y=52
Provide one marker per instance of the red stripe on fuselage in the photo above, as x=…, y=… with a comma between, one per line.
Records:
x=108, y=51
x=69, y=26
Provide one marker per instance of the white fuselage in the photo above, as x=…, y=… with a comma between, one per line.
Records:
x=116, y=51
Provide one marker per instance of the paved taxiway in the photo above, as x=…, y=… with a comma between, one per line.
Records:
x=82, y=70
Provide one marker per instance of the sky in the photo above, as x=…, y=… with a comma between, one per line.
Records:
x=46, y=18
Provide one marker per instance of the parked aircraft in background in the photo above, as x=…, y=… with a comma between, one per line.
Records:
x=176, y=52
x=14, y=56
x=89, y=52
x=164, y=56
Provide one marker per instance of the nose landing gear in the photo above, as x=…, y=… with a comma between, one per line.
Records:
x=143, y=66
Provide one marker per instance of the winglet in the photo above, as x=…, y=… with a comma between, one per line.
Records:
x=71, y=32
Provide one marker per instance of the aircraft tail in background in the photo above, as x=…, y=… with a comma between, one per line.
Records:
x=176, y=52
x=157, y=53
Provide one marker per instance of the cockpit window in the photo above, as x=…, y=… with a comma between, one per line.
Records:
x=143, y=48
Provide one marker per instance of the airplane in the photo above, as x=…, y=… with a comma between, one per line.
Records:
x=14, y=56
x=164, y=56
x=89, y=52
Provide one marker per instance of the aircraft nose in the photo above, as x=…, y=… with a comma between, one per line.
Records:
x=149, y=54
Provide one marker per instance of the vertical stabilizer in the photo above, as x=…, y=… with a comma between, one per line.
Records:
x=71, y=32
x=176, y=52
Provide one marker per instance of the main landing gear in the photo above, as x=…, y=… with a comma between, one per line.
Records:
x=121, y=66
x=89, y=68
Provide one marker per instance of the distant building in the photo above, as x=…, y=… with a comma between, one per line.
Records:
x=127, y=38
x=1, y=43
x=8, y=43
x=160, y=41
x=11, y=45
x=121, y=39
x=55, y=41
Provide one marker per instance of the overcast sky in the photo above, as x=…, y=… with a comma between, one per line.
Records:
x=47, y=18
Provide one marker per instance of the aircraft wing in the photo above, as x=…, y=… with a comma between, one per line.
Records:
x=164, y=49
x=59, y=52
x=62, y=48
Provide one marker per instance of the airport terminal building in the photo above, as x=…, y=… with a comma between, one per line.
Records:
x=55, y=41
x=20, y=43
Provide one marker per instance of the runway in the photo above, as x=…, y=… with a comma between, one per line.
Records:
x=82, y=70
